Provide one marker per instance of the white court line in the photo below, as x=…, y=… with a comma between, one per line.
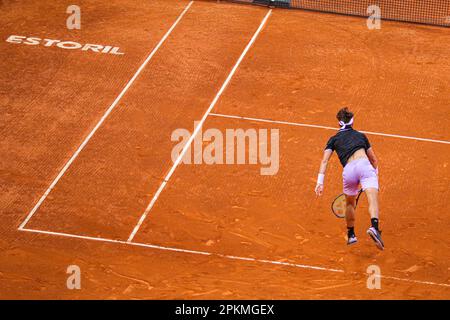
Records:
x=203, y=253
x=197, y=129
x=324, y=127
x=415, y=281
x=138, y=244
x=103, y=118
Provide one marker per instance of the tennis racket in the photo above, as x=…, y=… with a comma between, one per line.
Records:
x=338, y=205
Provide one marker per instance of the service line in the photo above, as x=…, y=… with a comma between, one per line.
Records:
x=296, y=124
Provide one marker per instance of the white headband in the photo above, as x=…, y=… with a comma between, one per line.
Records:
x=343, y=124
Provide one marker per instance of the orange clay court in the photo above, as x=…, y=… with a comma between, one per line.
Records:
x=87, y=177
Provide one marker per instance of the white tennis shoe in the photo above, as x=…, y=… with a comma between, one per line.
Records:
x=376, y=237
x=352, y=240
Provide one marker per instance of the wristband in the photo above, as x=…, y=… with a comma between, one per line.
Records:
x=320, y=178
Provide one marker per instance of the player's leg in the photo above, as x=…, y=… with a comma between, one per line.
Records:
x=350, y=202
x=369, y=182
x=350, y=181
x=372, y=198
x=374, y=231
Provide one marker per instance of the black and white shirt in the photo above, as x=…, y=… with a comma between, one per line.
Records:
x=346, y=142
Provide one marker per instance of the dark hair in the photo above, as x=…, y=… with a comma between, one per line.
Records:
x=344, y=115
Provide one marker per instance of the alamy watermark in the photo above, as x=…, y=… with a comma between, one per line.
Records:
x=373, y=277
x=74, y=280
x=374, y=20
x=74, y=20
x=234, y=146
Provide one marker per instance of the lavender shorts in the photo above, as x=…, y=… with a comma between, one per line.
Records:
x=359, y=171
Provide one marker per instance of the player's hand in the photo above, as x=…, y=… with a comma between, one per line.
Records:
x=319, y=189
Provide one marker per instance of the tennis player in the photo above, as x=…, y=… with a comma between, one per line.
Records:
x=360, y=167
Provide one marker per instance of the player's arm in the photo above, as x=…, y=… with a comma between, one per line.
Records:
x=370, y=154
x=372, y=158
x=323, y=168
